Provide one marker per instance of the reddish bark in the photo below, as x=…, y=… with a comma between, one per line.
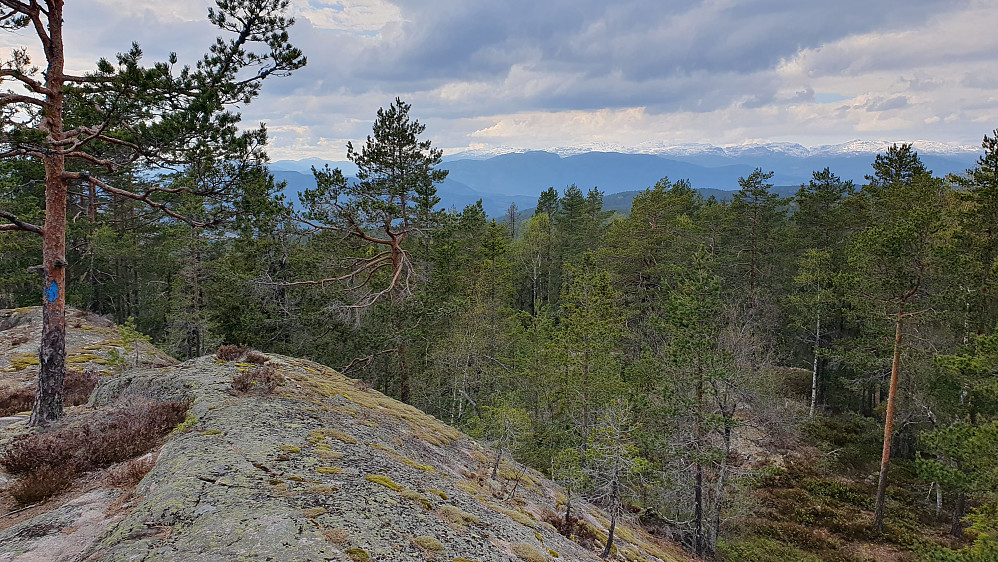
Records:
x=878, y=516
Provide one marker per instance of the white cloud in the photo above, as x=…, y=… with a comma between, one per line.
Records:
x=362, y=17
x=172, y=11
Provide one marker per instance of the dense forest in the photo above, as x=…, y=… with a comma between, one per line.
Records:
x=626, y=355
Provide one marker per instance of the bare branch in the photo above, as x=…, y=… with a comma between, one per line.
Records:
x=17, y=224
x=7, y=99
x=16, y=7
x=162, y=207
x=360, y=360
x=31, y=83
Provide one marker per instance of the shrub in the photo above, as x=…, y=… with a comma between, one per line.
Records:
x=254, y=356
x=93, y=440
x=42, y=483
x=129, y=474
x=260, y=380
x=14, y=400
x=77, y=387
x=231, y=352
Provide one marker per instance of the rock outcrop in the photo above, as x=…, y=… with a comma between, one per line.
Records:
x=321, y=468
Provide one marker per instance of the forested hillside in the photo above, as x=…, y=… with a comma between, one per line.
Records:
x=656, y=364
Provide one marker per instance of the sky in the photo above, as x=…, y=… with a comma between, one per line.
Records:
x=540, y=74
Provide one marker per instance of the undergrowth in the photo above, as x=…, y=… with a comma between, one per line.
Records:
x=77, y=387
x=819, y=505
x=259, y=380
x=46, y=463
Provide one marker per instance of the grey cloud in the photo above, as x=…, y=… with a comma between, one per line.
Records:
x=921, y=84
x=882, y=104
x=980, y=81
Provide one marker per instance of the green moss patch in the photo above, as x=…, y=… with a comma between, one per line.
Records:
x=429, y=543
x=320, y=434
x=384, y=481
x=358, y=555
x=313, y=512
x=457, y=516
x=518, y=516
x=526, y=552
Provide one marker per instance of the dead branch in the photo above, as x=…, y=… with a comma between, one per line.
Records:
x=17, y=224
x=360, y=360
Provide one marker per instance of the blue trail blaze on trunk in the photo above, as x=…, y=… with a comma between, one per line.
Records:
x=52, y=293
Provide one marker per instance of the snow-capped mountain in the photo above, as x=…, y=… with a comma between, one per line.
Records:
x=731, y=151
x=503, y=175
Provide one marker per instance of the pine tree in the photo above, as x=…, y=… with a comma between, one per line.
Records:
x=391, y=201
x=892, y=263
x=120, y=116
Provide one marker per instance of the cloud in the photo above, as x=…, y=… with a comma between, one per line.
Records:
x=558, y=72
x=882, y=104
x=359, y=17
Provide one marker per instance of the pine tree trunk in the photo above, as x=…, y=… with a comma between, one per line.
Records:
x=878, y=516
x=52, y=352
x=814, y=367
x=956, y=529
x=698, y=538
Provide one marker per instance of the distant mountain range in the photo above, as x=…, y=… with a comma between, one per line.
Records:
x=507, y=176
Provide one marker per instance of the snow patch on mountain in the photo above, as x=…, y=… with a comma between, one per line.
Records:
x=751, y=148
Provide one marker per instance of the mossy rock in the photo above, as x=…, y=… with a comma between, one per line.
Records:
x=320, y=434
x=417, y=497
x=328, y=455
x=437, y=493
x=321, y=490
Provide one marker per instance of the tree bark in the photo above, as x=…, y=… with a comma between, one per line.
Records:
x=698, y=538
x=956, y=529
x=878, y=516
x=939, y=501
x=52, y=352
x=814, y=367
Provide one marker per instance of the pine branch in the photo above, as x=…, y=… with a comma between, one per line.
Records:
x=17, y=224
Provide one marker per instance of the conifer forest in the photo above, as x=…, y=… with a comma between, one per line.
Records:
x=653, y=361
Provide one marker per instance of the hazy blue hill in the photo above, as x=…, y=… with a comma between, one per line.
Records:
x=529, y=173
x=519, y=177
x=452, y=193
